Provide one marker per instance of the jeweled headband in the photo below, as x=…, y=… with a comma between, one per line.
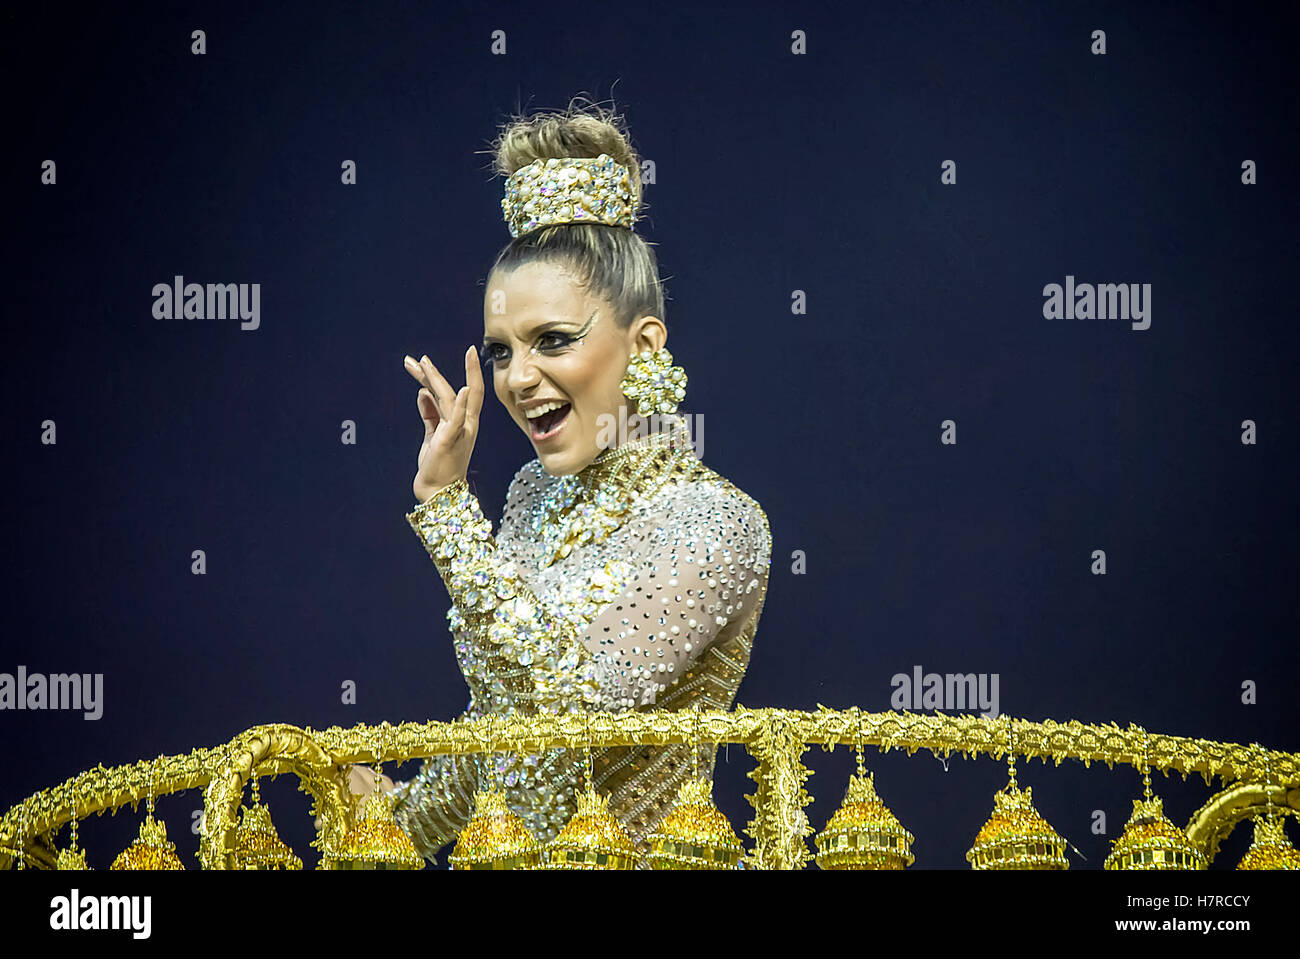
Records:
x=568, y=190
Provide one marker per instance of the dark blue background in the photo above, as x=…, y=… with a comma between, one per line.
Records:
x=774, y=173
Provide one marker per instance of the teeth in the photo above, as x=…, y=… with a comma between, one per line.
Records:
x=539, y=410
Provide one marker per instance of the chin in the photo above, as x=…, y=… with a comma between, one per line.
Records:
x=559, y=464
x=563, y=462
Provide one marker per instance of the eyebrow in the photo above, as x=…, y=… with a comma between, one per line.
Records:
x=547, y=325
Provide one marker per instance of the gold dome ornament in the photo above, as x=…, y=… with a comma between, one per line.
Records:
x=257, y=845
x=375, y=840
x=1270, y=848
x=695, y=834
x=1150, y=841
x=1016, y=836
x=863, y=833
x=495, y=837
x=592, y=839
x=152, y=850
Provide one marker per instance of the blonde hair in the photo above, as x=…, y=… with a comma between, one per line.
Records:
x=611, y=262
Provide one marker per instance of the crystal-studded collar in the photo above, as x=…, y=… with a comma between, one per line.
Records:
x=585, y=507
x=637, y=454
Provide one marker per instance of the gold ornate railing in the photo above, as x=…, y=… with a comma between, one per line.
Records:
x=1253, y=778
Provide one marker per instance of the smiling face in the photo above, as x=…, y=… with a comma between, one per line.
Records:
x=557, y=356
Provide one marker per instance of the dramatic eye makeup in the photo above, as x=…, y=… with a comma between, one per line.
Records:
x=548, y=341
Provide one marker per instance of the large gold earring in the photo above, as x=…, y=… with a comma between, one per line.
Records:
x=653, y=382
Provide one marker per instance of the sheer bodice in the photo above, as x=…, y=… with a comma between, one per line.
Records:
x=635, y=584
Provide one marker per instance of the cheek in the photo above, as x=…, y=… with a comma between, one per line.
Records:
x=581, y=378
x=502, y=392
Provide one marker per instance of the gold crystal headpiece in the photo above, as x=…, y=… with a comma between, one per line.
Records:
x=568, y=190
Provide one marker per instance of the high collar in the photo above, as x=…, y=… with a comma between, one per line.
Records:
x=640, y=455
x=583, y=508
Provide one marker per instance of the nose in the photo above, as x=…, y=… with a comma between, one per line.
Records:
x=522, y=374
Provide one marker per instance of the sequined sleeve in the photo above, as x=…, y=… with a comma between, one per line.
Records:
x=693, y=563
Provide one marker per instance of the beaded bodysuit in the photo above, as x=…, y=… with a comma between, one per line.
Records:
x=636, y=583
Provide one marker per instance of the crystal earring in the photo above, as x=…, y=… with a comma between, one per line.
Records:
x=653, y=383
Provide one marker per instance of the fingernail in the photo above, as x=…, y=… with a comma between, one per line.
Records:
x=425, y=358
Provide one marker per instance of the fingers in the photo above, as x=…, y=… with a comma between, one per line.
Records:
x=458, y=409
x=441, y=387
x=474, y=380
x=417, y=372
x=456, y=422
x=428, y=408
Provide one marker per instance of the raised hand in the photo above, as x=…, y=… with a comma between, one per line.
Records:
x=450, y=423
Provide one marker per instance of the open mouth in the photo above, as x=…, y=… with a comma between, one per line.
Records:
x=545, y=425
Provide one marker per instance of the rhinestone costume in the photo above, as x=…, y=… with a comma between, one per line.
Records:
x=636, y=583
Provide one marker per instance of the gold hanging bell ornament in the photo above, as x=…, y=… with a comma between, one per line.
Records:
x=71, y=859
x=1016, y=836
x=695, y=834
x=863, y=833
x=152, y=850
x=375, y=840
x=257, y=845
x=495, y=837
x=1270, y=849
x=1150, y=841
x=592, y=839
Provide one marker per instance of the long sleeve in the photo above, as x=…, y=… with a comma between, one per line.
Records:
x=691, y=562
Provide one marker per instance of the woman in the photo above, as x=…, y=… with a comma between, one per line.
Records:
x=625, y=574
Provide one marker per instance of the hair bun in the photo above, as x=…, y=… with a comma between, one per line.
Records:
x=576, y=131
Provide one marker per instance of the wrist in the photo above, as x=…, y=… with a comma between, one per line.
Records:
x=424, y=494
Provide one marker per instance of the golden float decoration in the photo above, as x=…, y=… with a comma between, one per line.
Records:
x=152, y=850
x=1247, y=782
x=1270, y=848
x=1150, y=841
x=257, y=844
x=591, y=839
x=71, y=858
x=1016, y=836
x=495, y=837
x=695, y=834
x=863, y=833
x=375, y=840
